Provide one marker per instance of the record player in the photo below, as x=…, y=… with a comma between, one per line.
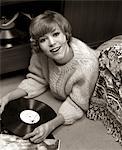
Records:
x=14, y=43
x=10, y=35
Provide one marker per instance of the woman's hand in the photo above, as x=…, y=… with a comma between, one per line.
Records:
x=17, y=93
x=3, y=101
x=39, y=134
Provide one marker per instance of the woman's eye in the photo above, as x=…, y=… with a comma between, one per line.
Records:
x=56, y=34
x=42, y=40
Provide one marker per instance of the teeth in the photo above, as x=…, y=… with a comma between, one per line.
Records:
x=55, y=49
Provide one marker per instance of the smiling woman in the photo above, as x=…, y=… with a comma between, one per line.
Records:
x=55, y=46
x=62, y=63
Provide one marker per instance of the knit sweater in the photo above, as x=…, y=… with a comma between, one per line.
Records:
x=73, y=83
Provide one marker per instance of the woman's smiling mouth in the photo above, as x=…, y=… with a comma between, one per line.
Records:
x=54, y=50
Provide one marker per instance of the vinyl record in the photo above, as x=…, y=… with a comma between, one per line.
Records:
x=22, y=116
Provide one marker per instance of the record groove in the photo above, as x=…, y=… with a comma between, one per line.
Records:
x=22, y=116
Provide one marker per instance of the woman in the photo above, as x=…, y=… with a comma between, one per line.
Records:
x=62, y=63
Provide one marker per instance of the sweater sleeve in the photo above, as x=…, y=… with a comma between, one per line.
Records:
x=82, y=84
x=34, y=83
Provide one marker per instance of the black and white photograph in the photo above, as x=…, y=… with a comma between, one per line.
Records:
x=61, y=74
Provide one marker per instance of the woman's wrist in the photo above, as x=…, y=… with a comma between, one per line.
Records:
x=57, y=121
x=17, y=93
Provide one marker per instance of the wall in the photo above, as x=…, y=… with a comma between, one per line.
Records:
x=94, y=21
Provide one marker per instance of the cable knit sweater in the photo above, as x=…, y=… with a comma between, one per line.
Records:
x=73, y=83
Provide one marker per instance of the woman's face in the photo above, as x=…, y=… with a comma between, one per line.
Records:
x=54, y=44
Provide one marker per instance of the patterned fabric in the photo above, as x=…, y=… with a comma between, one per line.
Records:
x=12, y=142
x=106, y=102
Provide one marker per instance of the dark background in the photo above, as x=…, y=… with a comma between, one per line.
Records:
x=93, y=22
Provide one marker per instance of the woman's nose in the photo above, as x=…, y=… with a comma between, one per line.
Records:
x=51, y=42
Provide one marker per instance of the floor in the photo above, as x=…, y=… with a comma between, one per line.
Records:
x=83, y=135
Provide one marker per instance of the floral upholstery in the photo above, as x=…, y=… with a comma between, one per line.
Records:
x=106, y=102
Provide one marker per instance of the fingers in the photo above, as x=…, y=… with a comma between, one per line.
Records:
x=39, y=134
x=3, y=101
x=36, y=136
x=29, y=135
x=2, y=107
x=37, y=139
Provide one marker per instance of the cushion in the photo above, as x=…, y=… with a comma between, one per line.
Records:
x=106, y=101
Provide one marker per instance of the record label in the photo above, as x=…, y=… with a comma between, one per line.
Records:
x=29, y=116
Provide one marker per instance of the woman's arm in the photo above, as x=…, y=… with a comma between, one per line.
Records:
x=81, y=86
x=35, y=82
x=15, y=94
x=57, y=121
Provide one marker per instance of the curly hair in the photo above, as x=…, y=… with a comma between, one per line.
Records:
x=44, y=23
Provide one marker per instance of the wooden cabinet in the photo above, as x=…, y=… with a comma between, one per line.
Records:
x=15, y=58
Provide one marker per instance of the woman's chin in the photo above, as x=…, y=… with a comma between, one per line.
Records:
x=59, y=57
x=59, y=61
